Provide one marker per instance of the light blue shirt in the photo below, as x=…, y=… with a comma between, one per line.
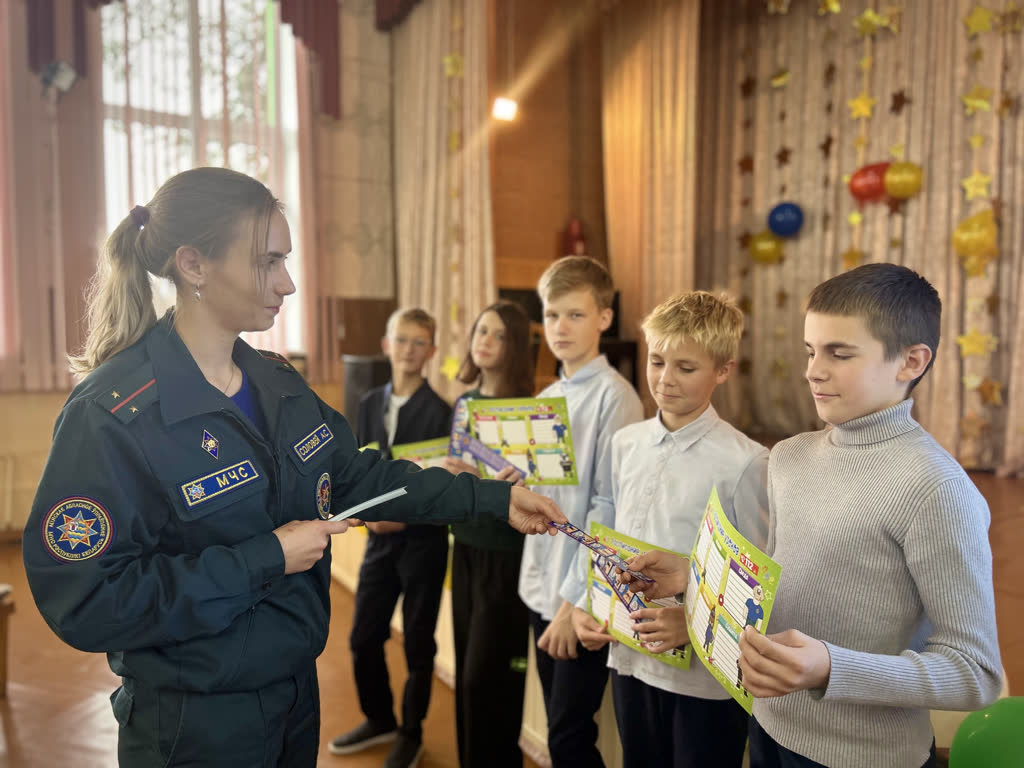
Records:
x=600, y=403
x=661, y=482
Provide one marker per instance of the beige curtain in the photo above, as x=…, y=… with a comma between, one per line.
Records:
x=442, y=179
x=649, y=121
x=52, y=218
x=776, y=125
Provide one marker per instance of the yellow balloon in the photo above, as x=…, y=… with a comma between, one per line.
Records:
x=766, y=247
x=902, y=180
x=976, y=235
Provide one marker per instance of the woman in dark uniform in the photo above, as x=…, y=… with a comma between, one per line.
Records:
x=181, y=525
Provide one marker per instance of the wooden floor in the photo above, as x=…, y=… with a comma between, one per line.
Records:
x=57, y=711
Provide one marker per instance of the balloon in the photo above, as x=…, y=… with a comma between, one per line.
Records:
x=867, y=184
x=976, y=235
x=786, y=219
x=903, y=180
x=766, y=248
x=992, y=737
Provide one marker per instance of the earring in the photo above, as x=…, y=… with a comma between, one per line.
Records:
x=197, y=293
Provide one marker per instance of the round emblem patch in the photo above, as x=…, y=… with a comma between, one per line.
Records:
x=323, y=496
x=77, y=529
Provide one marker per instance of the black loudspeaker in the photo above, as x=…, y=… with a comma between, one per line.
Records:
x=362, y=373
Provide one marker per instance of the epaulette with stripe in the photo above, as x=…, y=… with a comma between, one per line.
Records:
x=134, y=393
x=278, y=358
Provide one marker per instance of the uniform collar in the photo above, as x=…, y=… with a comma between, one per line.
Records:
x=184, y=391
x=686, y=436
x=598, y=365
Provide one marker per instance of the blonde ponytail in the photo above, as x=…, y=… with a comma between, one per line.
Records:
x=203, y=208
x=119, y=298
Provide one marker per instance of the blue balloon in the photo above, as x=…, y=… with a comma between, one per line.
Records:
x=786, y=219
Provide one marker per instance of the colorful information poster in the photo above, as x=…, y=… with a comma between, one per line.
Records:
x=610, y=602
x=531, y=434
x=426, y=453
x=732, y=584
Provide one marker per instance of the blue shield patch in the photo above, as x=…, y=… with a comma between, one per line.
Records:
x=77, y=529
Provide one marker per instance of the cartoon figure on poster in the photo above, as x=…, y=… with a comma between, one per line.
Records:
x=709, y=633
x=559, y=429
x=755, y=613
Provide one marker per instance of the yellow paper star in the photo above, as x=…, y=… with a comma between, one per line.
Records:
x=453, y=65
x=861, y=141
x=852, y=258
x=780, y=79
x=971, y=382
x=846, y=178
x=990, y=391
x=450, y=367
x=977, y=100
x=453, y=311
x=869, y=22
x=897, y=151
x=978, y=20
x=863, y=105
x=975, y=343
x=976, y=185
x=866, y=64
x=977, y=140
x=975, y=304
x=892, y=16
x=976, y=264
x=828, y=6
x=855, y=218
x=779, y=368
x=454, y=141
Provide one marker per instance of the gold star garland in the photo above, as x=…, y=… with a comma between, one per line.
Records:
x=454, y=69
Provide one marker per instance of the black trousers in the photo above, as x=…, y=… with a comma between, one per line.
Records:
x=573, y=690
x=657, y=727
x=491, y=630
x=274, y=727
x=413, y=567
x=765, y=752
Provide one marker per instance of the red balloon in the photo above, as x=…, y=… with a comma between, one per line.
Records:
x=867, y=185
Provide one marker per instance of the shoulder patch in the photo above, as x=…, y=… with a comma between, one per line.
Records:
x=128, y=398
x=275, y=357
x=76, y=529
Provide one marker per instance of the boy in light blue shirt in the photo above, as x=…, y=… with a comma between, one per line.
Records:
x=577, y=294
x=663, y=471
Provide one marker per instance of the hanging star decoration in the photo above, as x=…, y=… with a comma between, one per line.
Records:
x=778, y=6
x=897, y=151
x=747, y=87
x=855, y=218
x=971, y=381
x=744, y=366
x=899, y=101
x=830, y=74
x=826, y=220
x=454, y=141
x=975, y=304
x=828, y=6
x=976, y=140
x=978, y=20
x=870, y=21
x=976, y=185
x=976, y=264
x=866, y=63
x=1009, y=104
x=744, y=240
x=977, y=100
x=745, y=202
x=895, y=206
x=852, y=258
x=450, y=367
x=779, y=368
x=861, y=142
x=846, y=178
x=990, y=391
x=1011, y=19
x=893, y=14
x=745, y=304
x=862, y=106
x=826, y=147
x=895, y=242
x=781, y=332
x=746, y=164
x=782, y=156
x=453, y=65
x=972, y=425
x=992, y=304
x=781, y=78
x=997, y=208
x=976, y=343
x=780, y=299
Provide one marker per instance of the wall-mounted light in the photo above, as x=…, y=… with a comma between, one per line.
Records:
x=504, y=109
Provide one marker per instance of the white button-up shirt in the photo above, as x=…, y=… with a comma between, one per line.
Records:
x=600, y=403
x=661, y=482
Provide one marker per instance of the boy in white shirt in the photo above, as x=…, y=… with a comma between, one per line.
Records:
x=663, y=470
x=577, y=293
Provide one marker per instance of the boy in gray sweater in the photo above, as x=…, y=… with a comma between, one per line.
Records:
x=885, y=603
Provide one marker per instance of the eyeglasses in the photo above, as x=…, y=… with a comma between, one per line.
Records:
x=416, y=343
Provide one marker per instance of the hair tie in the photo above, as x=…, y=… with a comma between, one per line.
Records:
x=140, y=215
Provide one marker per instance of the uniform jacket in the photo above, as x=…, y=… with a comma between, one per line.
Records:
x=151, y=534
